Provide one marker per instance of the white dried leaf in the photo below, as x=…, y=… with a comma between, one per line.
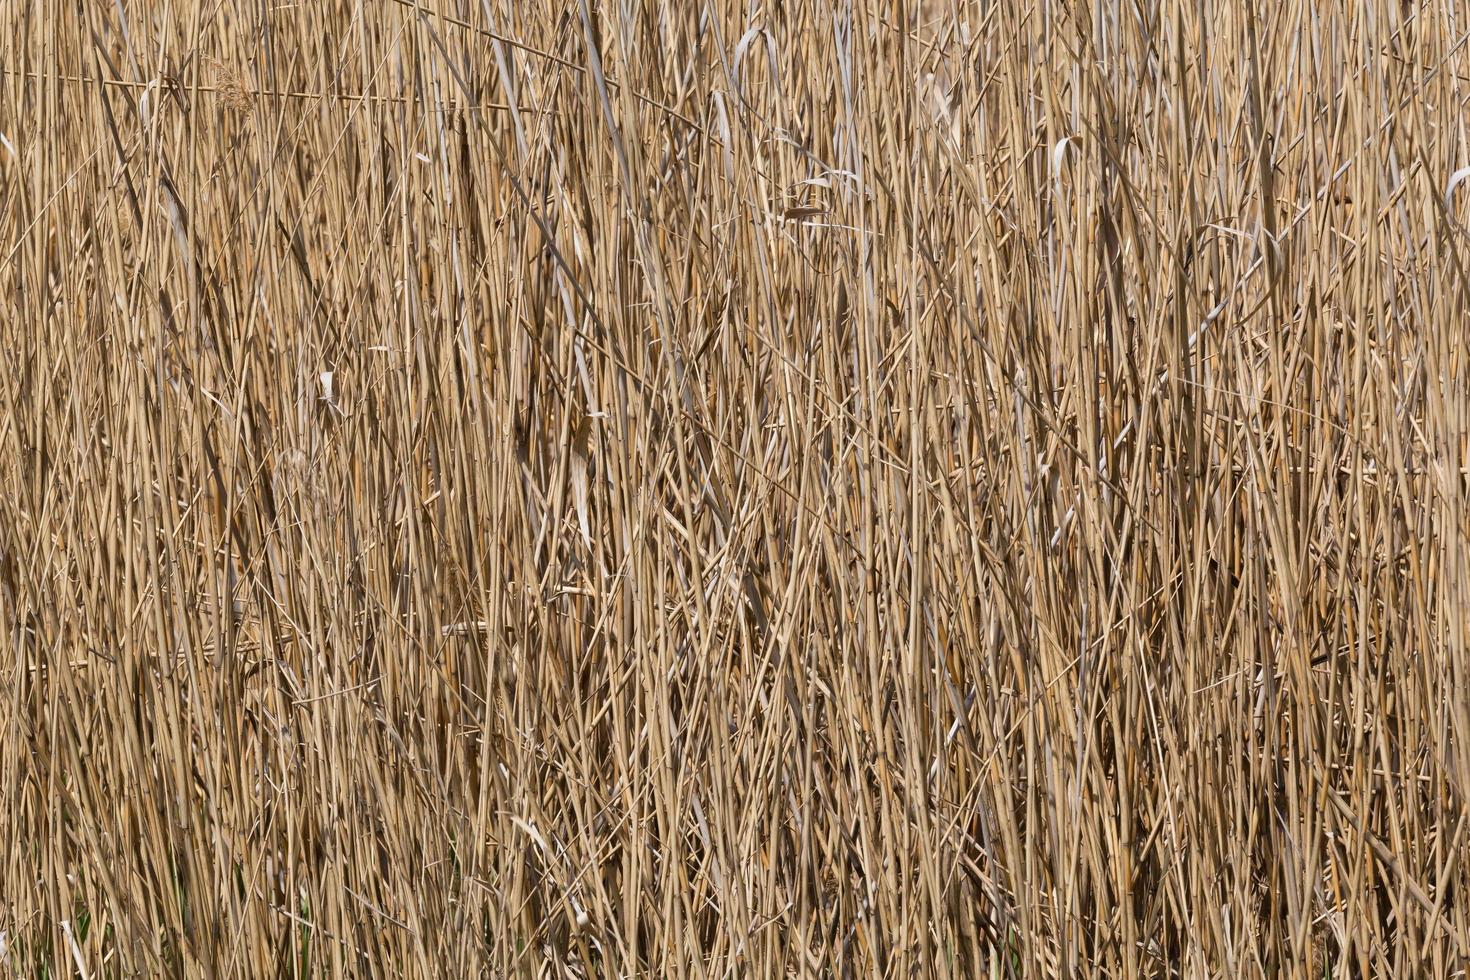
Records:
x=1057, y=153
x=1456, y=179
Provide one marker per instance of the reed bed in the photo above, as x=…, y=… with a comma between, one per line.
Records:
x=843, y=489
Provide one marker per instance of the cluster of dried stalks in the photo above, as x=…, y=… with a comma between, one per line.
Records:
x=960, y=489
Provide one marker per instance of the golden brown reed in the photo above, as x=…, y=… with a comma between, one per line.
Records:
x=801, y=489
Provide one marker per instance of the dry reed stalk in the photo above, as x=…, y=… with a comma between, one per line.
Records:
x=959, y=489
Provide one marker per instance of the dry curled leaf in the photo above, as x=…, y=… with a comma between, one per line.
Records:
x=802, y=212
x=581, y=454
